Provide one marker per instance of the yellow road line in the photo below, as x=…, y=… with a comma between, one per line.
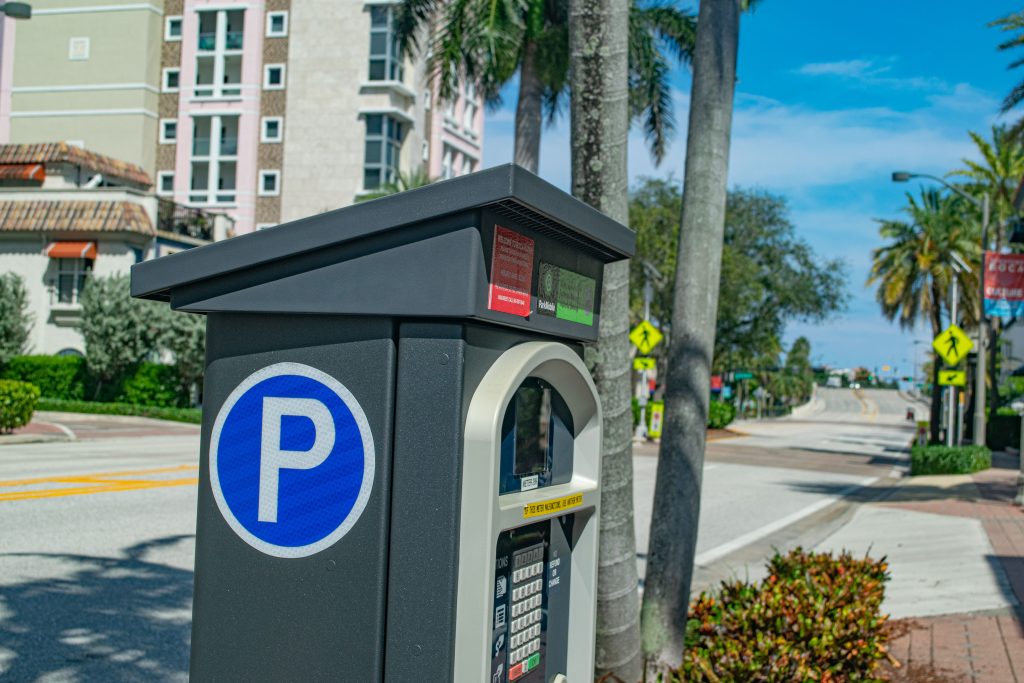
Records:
x=84, y=491
x=75, y=478
x=96, y=482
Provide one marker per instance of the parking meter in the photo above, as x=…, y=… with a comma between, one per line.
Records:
x=400, y=451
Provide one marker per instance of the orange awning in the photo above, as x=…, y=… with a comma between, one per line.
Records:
x=72, y=250
x=22, y=172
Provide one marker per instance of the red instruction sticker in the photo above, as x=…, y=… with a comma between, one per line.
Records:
x=511, y=272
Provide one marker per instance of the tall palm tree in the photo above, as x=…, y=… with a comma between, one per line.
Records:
x=1014, y=24
x=915, y=269
x=599, y=49
x=489, y=41
x=673, y=539
x=998, y=171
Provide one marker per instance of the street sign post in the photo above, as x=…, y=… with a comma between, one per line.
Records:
x=955, y=378
x=952, y=345
x=645, y=337
x=400, y=476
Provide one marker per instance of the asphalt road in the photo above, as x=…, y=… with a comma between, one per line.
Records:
x=96, y=548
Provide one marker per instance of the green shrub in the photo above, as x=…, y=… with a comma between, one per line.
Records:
x=938, y=459
x=17, y=403
x=55, y=376
x=153, y=384
x=720, y=414
x=815, y=618
x=193, y=415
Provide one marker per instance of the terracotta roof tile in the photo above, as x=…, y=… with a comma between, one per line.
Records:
x=62, y=152
x=74, y=216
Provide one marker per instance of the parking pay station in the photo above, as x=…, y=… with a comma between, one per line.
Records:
x=400, y=455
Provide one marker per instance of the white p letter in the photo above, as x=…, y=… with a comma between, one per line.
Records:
x=273, y=458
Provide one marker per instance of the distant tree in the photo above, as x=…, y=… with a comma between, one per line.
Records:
x=402, y=182
x=769, y=275
x=15, y=320
x=798, y=366
x=184, y=337
x=119, y=331
x=916, y=267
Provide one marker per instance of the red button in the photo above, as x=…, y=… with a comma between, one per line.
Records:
x=515, y=672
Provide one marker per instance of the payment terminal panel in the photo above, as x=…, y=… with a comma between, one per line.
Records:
x=531, y=474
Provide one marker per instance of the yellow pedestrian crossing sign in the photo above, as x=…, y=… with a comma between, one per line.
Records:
x=952, y=345
x=956, y=378
x=645, y=337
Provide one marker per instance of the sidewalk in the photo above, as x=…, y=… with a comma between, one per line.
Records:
x=49, y=426
x=955, y=545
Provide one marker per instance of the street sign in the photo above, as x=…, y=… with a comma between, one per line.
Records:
x=956, y=378
x=645, y=337
x=716, y=382
x=952, y=345
x=742, y=374
x=1004, y=285
x=657, y=418
x=644, y=364
x=291, y=460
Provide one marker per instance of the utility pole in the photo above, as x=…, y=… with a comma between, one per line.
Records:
x=951, y=390
x=981, y=365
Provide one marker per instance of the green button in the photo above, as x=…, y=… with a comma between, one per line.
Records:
x=533, y=661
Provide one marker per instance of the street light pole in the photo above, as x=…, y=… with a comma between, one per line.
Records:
x=980, y=371
x=951, y=389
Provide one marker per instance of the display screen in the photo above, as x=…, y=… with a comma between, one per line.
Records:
x=533, y=420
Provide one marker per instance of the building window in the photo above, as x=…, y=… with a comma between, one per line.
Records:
x=273, y=77
x=277, y=24
x=270, y=183
x=172, y=28
x=385, y=57
x=426, y=151
x=72, y=274
x=219, y=57
x=383, y=146
x=446, y=164
x=168, y=130
x=78, y=49
x=467, y=165
x=165, y=182
x=427, y=99
x=272, y=129
x=468, y=116
x=449, y=110
x=171, y=79
x=214, y=159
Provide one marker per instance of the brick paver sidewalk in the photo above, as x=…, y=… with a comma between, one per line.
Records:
x=979, y=648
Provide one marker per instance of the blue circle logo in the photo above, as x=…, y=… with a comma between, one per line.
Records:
x=291, y=460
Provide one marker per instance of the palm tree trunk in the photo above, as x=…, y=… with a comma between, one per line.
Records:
x=598, y=33
x=528, y=111
x=935, y=412
x=670, y=558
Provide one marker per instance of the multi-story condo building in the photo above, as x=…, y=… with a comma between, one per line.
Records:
x=267, y=110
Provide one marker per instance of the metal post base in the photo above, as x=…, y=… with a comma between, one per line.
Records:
x=1019, y=499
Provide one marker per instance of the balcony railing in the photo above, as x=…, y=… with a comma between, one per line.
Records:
x=201, y=147
x=232, y=41
x=184, y=220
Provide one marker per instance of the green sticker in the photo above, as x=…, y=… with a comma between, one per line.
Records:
x=575, y=297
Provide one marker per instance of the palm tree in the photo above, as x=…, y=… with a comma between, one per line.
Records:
x=915, y=269
x=402, y=182
x=488, y=42
x=599, y=51
x=998, y=172
x=1013, y=23
x=670, y=560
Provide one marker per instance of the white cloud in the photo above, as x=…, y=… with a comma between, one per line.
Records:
x=869, y=72
x=853, y=68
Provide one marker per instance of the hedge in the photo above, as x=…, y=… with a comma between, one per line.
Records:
x=193, y=415
x=720, y=414
x=55, y=376
x=815, y=618
x=937, y=459
x=17, y=403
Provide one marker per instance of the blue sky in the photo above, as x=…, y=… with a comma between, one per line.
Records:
x=831, y=98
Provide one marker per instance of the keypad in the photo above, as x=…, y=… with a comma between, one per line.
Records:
x=526, y=609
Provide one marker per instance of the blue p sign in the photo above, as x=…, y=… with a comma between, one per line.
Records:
x=291, y=460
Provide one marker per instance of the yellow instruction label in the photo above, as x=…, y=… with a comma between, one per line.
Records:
x=546, y=507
